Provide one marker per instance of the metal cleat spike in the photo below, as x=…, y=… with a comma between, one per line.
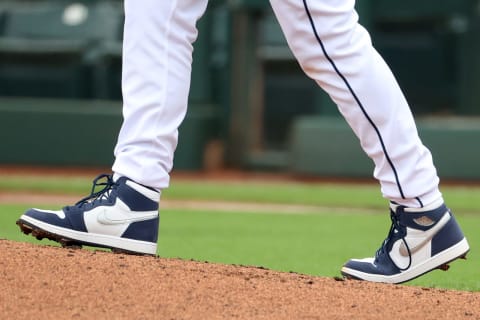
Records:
x=25, y=229
x=67, y=243
x=444, y=267
x=36, y=233
x=27, y=232
x=123, y=251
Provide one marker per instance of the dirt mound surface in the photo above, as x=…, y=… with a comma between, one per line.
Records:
x=41, y=282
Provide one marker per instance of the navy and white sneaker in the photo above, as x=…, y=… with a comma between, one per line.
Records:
x=418, y=242
x=122, y=216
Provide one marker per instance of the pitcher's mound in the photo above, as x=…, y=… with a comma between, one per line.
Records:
x=41, y=282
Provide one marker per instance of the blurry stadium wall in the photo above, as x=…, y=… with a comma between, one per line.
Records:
x=251, y=107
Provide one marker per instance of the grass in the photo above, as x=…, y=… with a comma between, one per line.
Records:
x=308, y=243
x=43, y=184
x=462, y=198
x=315, y=244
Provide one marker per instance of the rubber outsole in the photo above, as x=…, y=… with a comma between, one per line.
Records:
x=40, y=234
x=444, y=267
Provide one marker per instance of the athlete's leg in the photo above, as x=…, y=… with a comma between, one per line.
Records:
x=157, y=59
x=337, y=53
x=334, y=50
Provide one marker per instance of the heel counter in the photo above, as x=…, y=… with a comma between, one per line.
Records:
x=448, y=236
x=143, y=230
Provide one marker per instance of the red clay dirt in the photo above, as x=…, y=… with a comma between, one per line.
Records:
x=43, y=282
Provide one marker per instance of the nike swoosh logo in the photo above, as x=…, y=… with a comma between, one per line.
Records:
x=427, y=236
x=413, y=249
x=108, y=218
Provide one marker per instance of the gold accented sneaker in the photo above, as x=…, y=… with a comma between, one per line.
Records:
x=418, y=242
x=123, y=216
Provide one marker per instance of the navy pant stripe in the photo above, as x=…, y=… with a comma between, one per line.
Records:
x=320, y=42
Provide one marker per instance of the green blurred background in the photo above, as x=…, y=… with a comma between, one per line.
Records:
x=311, y=228
x=250, y=106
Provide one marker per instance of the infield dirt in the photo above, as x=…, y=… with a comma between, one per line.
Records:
x=43, y=282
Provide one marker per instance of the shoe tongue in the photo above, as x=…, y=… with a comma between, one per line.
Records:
x=116, y=176
x=432, y=206
x=394, y=206
x=119, y=179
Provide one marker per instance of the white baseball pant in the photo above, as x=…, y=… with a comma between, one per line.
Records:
x=332, y=49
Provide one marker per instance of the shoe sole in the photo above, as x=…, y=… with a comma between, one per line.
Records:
x=76, y=239
x=439, y=261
